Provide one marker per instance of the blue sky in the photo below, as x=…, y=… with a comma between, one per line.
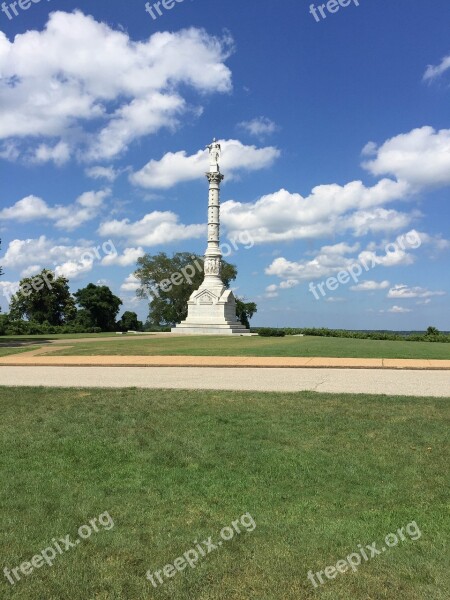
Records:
x=336, y=143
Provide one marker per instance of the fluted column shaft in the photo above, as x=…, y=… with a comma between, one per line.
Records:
x=213, y=255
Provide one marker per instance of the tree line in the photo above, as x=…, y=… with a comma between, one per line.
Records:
x=44, y=303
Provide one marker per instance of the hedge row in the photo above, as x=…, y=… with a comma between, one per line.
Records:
x=361, y=335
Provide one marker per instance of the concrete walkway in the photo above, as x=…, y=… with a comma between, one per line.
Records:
x=40, y=358
x=358, y=381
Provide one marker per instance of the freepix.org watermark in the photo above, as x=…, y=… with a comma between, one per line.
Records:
x=354, y=560
x=200, y=550
x=186, y=274
x=58, y=547
x=38, y=282
x=10, y=10
x=157, y=9
x=410, y=240
x=331, y=7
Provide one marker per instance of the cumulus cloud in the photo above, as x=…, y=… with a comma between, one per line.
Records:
x=121, y=88
x=127, y=258
x=32, y=208
x=175, y=167
x=59, y=154
x=434, y=71
x=403, y=291
x=259, y=127
x=153, y=229
x=329, y=260
x=328, y=210
x=421, y=158
x=370, y=286
x=271, y=291
x=399, y=310
x=99, y=172
x=65, y=259
x=131, y=284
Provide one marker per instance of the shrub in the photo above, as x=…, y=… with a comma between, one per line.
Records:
x=271, y=332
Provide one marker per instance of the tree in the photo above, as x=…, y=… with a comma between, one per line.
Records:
x=129, y=322
x=245, y=311
x=43, y=298
x=169, y=282
x=433, y=331
x=100, y=304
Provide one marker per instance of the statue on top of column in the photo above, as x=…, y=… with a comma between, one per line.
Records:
x=214, y=153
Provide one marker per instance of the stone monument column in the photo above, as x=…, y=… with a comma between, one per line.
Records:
x=212, y=308
x=213, y=254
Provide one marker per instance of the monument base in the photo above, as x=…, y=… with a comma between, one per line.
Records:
x=211, y=311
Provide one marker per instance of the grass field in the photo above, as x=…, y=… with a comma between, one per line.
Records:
x=4, y=339
x=319, y=474
x=16, y=350
x=258, y=346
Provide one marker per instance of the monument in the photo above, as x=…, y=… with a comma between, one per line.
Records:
x=212, y=308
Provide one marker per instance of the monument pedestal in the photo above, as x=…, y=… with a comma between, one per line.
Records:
x=211, y=311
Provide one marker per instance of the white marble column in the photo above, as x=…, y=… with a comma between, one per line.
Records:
x=213, y=254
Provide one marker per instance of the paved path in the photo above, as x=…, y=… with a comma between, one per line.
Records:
x=39, y=357
x=359, y=381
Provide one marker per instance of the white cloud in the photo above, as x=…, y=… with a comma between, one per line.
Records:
x=31, y=271
x=153, y=229
x=370, y=286
x=328, y=260
x=332, y=259
x=437, y=242
x=123, y=89
x=131, y=284
x=403, y=291
x=8, y=289
x=433, y=72
x=175, y=167
x=423, y=302
x=99, y=172
x=421, y=158
x=64, y=259
x=85, y=208
x=399, y=310
x=127, y=258
x=328, y=210
x=271, y=291
x=335, y=299
x=59, y=154
x=288, y=284
x=259, y=127
x=378, y=220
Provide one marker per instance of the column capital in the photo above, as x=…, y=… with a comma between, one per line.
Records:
x=215, y=177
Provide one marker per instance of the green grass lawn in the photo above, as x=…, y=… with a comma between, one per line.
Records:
x=15, y=350
x=259, y=346
x=4, y=339
x=318, y=473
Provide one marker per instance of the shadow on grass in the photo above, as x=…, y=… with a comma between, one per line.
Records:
x=23, y=342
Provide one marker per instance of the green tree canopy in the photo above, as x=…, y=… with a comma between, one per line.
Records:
x=245, y=311
x=129, y=322
x=156, y=273
x=100, y=306
x=43, y=298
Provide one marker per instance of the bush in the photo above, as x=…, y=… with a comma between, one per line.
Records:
x=271, y=332
x=8, y=327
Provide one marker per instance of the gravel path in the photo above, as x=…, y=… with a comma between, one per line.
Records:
x=359, y=381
